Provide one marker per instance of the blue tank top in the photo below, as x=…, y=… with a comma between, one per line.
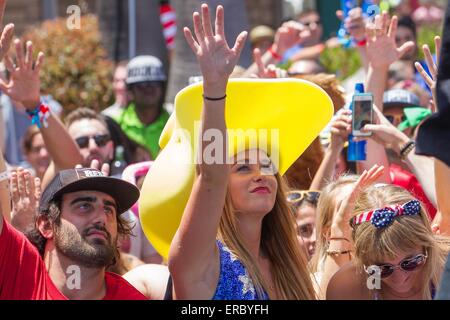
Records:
x=234, y=281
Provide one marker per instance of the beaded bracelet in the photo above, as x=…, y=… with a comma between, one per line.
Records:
x=4, y=176
x=39, y=115
x=407, y=148
x=360, y=43
x=275, y=55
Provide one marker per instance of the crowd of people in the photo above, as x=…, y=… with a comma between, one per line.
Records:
x=326, y=228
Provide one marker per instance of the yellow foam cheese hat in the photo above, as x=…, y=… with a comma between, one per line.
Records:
x=286, y=115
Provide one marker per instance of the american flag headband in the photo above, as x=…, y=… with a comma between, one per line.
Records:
x=383, y=217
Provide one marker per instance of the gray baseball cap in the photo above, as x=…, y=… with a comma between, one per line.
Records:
x=71, y=180
x=145, y=69
x=400, y=98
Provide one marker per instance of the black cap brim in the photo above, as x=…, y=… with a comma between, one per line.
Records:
x=124, y=193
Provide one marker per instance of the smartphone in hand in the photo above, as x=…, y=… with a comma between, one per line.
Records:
x=362, y=113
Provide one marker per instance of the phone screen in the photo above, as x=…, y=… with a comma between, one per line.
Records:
x=362, y=113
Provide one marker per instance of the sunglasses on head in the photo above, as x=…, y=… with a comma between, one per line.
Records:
x=100, y=139
x=409, y=264
x=296, y=197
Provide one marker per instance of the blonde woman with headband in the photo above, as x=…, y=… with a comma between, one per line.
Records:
x=397, y=256
x=236, y=239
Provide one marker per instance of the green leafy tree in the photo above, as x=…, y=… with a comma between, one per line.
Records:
x=76, y=70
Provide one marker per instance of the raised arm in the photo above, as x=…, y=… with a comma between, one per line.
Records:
x=287, y=36
x=356, y=26
x=193, y=257
x=381, y=52
x=5, y=200
x=387, y=135
x=340, y=245
x=432, y=66
x=24, y=85
x=340, y=129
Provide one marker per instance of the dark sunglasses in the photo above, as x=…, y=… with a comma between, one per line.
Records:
x=307, y=24
x=147, y=84
x=392, y=119
x=408, y=265
x=296, y=197
x=100, y=139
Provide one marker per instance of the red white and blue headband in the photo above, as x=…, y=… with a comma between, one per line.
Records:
x=383, y=217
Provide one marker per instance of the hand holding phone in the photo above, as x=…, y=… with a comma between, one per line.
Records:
x=362, y=113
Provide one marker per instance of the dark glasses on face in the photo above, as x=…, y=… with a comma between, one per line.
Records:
x=296, y=197
x=100, y=139
x=308, y=24
x=393, y=119
x=145, y=85
x=408, y=265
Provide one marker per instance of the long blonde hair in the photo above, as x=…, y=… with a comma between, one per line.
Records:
x=373, y=245
x=279, y=241
x=326, y=207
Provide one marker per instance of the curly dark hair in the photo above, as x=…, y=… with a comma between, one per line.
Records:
x=53, y=214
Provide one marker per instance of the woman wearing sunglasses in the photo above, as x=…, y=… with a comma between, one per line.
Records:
x=304, y=203
x=396, y=254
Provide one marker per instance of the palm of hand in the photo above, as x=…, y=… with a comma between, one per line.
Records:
x=382, y=51
x=24, y=206
x=287, y=40
x=24, y=85
x=216, y=59
x=214, y=56
x=346, y=207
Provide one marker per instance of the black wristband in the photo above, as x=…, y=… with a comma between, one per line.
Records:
x=407, y=149
x=214, y=99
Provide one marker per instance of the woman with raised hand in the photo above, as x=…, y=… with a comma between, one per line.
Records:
x=236, y=239
x=334, y=247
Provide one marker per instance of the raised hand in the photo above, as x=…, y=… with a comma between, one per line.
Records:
x=385, y=133
x=270, y=72
x=354, y=23
x=25, y=192
x=288, y=35
x=95, y=164
x=6, y=34
x=433, y=67
x=381, y=47
x=214, y=56
x=341, y=127
x=340, y=226
x=24, y=84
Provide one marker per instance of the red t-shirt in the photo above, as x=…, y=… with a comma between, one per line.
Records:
x=23, y=275
x=407, y=180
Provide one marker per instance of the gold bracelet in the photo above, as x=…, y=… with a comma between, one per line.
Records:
x=337, y=252
x=339, y=238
